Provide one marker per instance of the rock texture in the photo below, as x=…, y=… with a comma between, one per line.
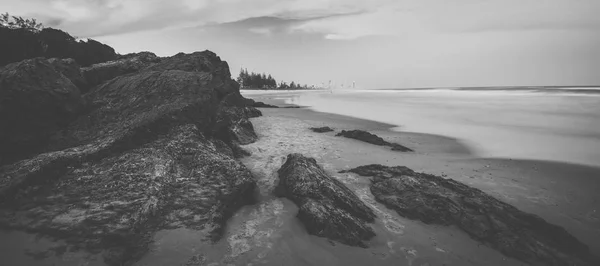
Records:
x=321, y=129
x=435, y=200
x=35, y=101
x=145, y=155
x=327, y=207
x=99, y=73
x=70, y=69
x=371, y=138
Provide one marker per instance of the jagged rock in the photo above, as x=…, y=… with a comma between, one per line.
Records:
x=181, y=179
x=321, y=129
x=371, y=138
x=144, y=156
x=35, y=101
x=327, y=208
x=99, y=73
x=435, y=200
x=70, y=69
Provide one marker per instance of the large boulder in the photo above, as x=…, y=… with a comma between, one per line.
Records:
x=113, y=205
x=35, y=101
x=98, y=73
x=327, y=208
x=144, y=156
x=435, y=200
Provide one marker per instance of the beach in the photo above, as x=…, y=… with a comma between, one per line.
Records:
x=561, y=193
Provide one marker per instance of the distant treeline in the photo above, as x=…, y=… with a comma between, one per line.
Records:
x=262, y=81
x=26, y=38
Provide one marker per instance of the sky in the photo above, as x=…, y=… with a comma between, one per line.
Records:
x=375, y=43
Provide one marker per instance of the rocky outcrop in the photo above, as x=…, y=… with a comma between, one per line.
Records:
x=98, y=73
x=144, y=155
x=435, y=200
x=321, y=129
x=371, y=138
x=327, y=208
x=35, y=101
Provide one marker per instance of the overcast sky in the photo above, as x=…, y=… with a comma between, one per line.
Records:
x=377, y=43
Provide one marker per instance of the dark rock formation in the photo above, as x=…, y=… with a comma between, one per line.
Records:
x=131, y=63
x=435, y=200
x=371, y=138
x=145, y=155
x=326, y=206
x=35, y=101
x=21, y=44
x=264, y=105
x=321, y=129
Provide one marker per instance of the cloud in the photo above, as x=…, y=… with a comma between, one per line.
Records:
x=334, y=19
x=261, y=31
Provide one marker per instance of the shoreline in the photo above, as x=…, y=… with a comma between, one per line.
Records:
x=560, y=192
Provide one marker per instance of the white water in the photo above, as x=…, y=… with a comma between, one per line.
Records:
x=557, y=125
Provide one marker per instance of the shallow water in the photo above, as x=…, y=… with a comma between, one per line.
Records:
x=543, y=124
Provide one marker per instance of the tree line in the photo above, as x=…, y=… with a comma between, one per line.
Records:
x=252, y=80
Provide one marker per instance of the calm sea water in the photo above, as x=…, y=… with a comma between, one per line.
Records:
x=559, y=124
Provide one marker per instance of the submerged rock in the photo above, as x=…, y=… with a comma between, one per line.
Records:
x=264, y=105
x=327, y=208
x=435, y=200
x=35, y=101
x=371, y=138
x=321, y=129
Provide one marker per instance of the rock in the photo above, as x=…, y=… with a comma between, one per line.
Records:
x=98, y=73
x=321, y=129
x=181, y=179
x=70, y=69
x=371, y=138
x=35, y=101
x=264, y=105
x=435, y=200
x=145, y=156
x=327, y=208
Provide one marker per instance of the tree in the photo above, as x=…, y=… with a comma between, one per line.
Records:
x=14, y=22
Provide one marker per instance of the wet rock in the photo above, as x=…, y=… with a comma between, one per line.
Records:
x=327, y=208
x=371, y=138
x=264, y=105
x=35, y=101
x=321, y=129
x=98, y=73
x=435, y=200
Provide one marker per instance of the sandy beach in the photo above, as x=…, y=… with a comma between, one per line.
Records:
x=563, y=194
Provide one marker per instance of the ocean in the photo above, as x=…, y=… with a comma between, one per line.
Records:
x=555, y=124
